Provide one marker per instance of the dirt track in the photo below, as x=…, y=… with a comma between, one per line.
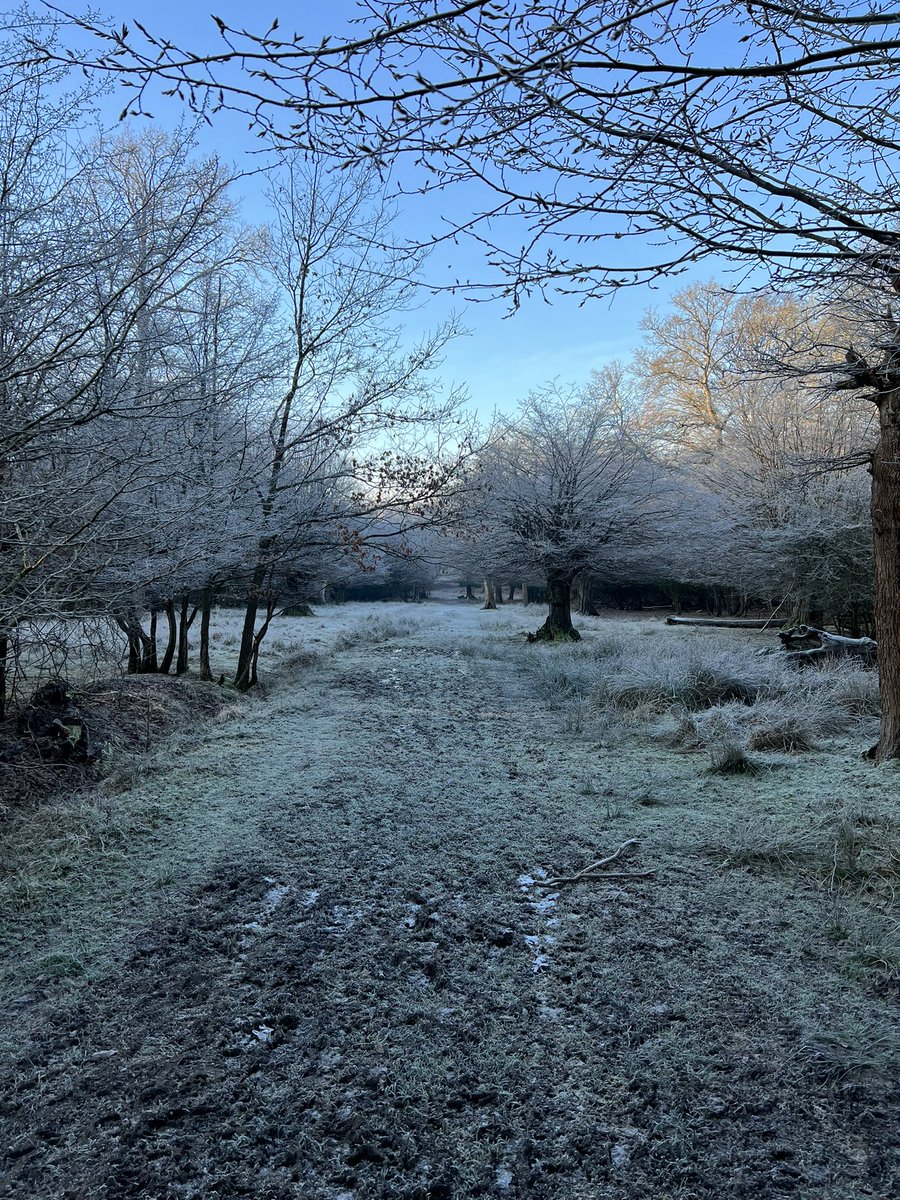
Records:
x=350, y=989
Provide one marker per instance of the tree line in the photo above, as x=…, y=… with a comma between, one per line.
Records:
x=713, y=468
x=192, y=407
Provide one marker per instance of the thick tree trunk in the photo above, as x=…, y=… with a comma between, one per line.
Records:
x=171, y=641
x=205, y=613
x=470, y=592
x=886, y=533
x=511, y=595
x=558, y=627
x=498, y=592
x=489, y=599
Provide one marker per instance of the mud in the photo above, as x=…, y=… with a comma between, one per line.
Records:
x=373, y=997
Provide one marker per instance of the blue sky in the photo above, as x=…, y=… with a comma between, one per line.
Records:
x=504, y=356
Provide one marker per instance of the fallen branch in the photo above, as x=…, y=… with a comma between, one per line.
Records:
x=594, y=872
x=609, y=858
x=602, y=876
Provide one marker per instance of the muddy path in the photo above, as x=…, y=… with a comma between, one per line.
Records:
x=345, y=984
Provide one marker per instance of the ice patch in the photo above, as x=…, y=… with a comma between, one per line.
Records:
x=262, y=1033
x=504, y=1177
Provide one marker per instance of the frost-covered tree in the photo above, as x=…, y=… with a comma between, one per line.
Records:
x=342, y=445
x=568, y=481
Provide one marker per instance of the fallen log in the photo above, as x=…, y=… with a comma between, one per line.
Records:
x=722, y=622
x=805, y=645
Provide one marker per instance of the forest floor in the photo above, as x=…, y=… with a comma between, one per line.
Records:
x=305, y=953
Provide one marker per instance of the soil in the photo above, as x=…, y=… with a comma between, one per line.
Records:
x=325, y=967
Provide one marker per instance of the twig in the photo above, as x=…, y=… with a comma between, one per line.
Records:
x=583, y=875
x=772, y=618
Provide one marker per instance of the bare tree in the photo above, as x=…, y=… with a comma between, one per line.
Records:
x=568, y=482
x=337, y=450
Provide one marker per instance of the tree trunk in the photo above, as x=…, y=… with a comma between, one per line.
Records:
x=886, y=534
x=244, y=675
x=558, y=627
x=169, y=653
x=205, y=613
x=587, y=606
x=257, y=642
x=470, y=592
x=151, y=663
x=526, y=599
x=498, y=592
x=489, y=600
x=139, y=651
x=511, y=595
x=185, y=621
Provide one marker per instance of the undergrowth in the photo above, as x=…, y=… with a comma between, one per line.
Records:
x=719, y=696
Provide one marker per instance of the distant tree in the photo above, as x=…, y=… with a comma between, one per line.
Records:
x=569, y=481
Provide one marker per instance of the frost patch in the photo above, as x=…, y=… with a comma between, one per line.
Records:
x=344, y=918
x=504, y=1178
x=273, y=898
x=540, y=943
x=525, y=881
x=619, y=1157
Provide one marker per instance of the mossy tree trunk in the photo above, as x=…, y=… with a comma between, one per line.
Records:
x=558, y=627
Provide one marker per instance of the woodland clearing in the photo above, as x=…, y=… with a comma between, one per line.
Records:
x=306, y=951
